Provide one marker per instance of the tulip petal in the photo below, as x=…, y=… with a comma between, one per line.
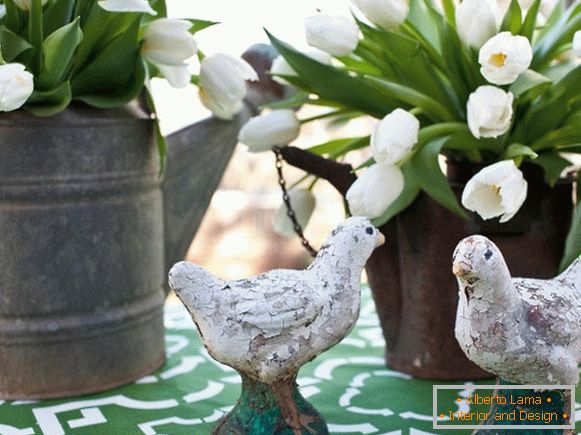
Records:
x=375, y=190
x=177, y=76
x=499, y=190
x=127, y=6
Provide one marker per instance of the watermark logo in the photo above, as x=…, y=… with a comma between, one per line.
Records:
x=504, y=407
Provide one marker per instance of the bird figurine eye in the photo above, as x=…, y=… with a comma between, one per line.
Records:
x=488, y=254
x=369, y=230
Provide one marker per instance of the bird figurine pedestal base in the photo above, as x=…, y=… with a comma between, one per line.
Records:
x=271, y=409
x=556, y=405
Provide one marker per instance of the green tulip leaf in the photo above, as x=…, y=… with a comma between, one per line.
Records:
x=49, y=103
x=463, y=140
x=450, y=11
x=463, y=76
x=551, y=109
x=12, y=44
x=160, y=7
x=573, y=241
x=528, y=27
x=119, y=97
x=423, y=22
x=113, y=68
x=553, y=165
x=300, y=98
x=409, y=194
x=339, y=147
x=425, y=166
x=330, y=83
x=198, y=25
x=566, y=136
x=518, y=151
x=560, y=33
x=512, y=21
x=414, y=65
x=529, y=85
x=410, y=96
x=58, y=14
x=58, y=50
x=14, y=17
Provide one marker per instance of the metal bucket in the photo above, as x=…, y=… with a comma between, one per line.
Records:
x=81, y=252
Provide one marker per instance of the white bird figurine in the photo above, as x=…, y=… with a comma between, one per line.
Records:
x=268, y=326
x=527, y=331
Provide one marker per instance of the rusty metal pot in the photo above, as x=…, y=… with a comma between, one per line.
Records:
x=410, y=275
x=415, y=291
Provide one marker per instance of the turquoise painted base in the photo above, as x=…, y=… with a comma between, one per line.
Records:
x=265, y=410
x=559, y=404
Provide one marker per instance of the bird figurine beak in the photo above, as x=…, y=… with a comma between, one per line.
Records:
x=461, y=269
x=380, y=240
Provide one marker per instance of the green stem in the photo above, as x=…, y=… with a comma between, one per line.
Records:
x=36, y=34
x=323, y=116
x=433, y=55
x=312, y=185
x=299, y=181
x=436, y=131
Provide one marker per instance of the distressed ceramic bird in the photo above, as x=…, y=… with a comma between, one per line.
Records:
x=527, y=331
x=268, y=326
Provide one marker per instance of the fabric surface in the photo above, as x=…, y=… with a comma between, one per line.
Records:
x=349, y=385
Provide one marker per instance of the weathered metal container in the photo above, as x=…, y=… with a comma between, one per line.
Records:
x=82, y=261
x=88, y=232
x=411, y=278
x=414, y=289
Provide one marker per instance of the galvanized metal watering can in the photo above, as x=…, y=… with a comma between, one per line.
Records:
x=88, y=231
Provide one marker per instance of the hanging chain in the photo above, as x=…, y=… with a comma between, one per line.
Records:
x=289, y=208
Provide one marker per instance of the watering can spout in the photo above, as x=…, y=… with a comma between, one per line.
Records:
x=198, y=155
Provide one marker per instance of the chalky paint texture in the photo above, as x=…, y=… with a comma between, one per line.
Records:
x=267, y=327
x=527, y=331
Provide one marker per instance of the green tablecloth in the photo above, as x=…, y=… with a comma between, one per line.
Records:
x=349, y=385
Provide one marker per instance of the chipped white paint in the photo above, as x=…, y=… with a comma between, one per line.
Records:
x=527, y=331
x=268, y=326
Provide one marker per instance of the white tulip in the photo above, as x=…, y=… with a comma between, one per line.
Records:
x=499, y=190
x=303, y=204
x=375, y=190
x=177, y=76
x=2, y=11
x=25, y=4
x=261, y=133
x=281, y=67
x=127, y=6
x=338, y=36
x=394, y=136
x=16, y=86
x=577, y=43
x=489, y=111
x=223, y=84
x=504, y=58
x=167, y=43
x=477, y=21
x=387, y=14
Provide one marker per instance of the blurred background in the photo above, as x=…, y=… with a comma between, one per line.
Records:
x=236, y=238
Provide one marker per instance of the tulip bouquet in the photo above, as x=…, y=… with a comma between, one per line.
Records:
x=104, y=53
x=462, y=80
